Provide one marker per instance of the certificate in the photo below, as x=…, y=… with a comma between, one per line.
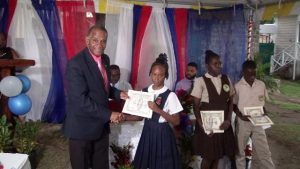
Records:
x=212, y=120
x=257, y=117
x=137, y=104
x=253, y=111
x=261, y=121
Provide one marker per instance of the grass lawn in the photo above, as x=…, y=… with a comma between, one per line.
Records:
x=284, y=131
x=287, y=105
x=287, y=133
x=290, y=88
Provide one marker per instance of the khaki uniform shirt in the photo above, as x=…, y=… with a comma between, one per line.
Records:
x=250, y=96
x=200, y=90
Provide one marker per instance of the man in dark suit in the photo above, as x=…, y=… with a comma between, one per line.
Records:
x=88, y=116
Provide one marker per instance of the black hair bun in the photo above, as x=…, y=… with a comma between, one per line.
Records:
x=210, y=52
x=162, y=58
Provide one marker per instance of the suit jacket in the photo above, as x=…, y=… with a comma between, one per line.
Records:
x=87, y=114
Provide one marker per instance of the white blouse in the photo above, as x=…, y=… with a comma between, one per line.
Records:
x=172, y=105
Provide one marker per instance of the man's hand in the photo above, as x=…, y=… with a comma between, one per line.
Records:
x=116, y=117
x=124, y=95
x=240, y=114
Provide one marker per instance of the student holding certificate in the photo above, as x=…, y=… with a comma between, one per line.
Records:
x=213, y=92
x=157, y=147
x=251, y=92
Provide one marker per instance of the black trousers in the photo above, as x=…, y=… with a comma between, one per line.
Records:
x=85, y=154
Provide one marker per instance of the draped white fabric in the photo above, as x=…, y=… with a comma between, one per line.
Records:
x=119, y=24
x=28, y=37
x=157, y=39
x=96, y=5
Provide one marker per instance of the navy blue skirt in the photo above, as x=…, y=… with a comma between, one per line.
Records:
x=157, y=147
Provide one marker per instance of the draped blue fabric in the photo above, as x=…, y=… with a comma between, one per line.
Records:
x=171, y=21
x=54, y=110
x=136, y=17
x=3, y=14
x=222, y=31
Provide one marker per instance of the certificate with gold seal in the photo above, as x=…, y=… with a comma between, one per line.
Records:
x=212, y=120
x=137, y=104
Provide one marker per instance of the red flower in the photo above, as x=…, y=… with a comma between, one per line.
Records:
x=181, y=93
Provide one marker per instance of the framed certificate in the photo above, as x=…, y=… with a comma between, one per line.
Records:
x=261, y=120
x=253, y=111
x=212, y=120
x=137, y=104
x=257, y=117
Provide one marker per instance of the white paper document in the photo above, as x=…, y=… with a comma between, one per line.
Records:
x=137, y=104
x=17, y=161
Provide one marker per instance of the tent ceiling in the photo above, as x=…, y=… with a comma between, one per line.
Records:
x=220, y=3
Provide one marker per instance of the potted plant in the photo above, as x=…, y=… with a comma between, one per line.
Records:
x=122, y=156
x=185, y=129
x=5, y=135
x=185, y=147
x=25, y=139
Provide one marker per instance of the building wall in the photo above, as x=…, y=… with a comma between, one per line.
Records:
x=286, y=32
x=287, y=35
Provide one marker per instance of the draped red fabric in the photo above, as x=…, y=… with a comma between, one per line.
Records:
x=76, y=17
x=141, y=28
x=181, y=36
x=11, y=10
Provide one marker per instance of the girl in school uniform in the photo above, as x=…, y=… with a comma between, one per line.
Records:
x=157, y=146
x=213, y=91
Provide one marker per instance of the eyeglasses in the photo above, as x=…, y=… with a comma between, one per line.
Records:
x=97, y=41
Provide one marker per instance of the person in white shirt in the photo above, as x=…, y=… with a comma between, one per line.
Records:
x=115, y=79
x=250, y=92
x=157, y=148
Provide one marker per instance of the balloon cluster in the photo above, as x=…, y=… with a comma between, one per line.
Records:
x=15, y=88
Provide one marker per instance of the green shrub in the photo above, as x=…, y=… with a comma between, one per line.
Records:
x=5, y=134
x=25, y=136
x=262, y=75
x=185, y=147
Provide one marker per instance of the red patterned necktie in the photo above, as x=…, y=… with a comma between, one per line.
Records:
x=103, y=72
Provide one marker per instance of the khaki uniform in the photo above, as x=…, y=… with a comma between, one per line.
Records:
x=250, y=96
x=200, y=89
x=214, y=93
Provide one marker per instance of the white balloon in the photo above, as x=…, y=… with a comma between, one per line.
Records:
x=11, y=86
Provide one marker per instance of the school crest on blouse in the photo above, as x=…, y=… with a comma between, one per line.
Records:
x=261, y=98
x=226, y=87
x=158, y=100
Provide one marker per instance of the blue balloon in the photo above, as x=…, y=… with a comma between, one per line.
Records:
x=25, y=82
x=20, y=104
